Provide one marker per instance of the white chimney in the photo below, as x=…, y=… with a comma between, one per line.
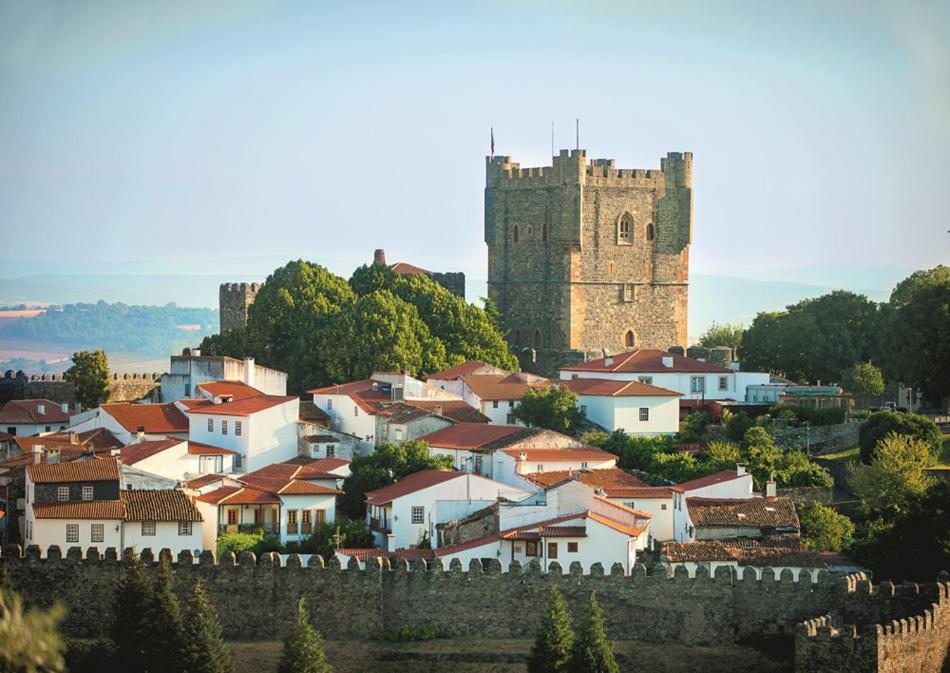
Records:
x=740, y=469
x=437, y=410
x=608, y=361
x=41, y=409
x=249, y=371
x=771, y=488
x=37, y=454
x=140, y=435
x=65, y=407
x=668, y=361
x=523, y=455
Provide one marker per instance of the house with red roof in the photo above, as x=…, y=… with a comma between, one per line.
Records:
x=403, y=514
x=129, y=421
x=25, y=418
x=188, y=371
x=512, y=465
x=691, y=378
x=634, y=407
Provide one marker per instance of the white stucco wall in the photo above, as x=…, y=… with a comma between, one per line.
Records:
x=679, y=382
x=267, y=436
x=346, y=416
x=615, y=413
x=299, y=503
x=48, y=532
x=661, y=526
x=166, y=537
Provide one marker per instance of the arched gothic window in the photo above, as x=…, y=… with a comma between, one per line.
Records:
x=629, y=340
x=650, y=232
x=537, y=338
x=625, y=228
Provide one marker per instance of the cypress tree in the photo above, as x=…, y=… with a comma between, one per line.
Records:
x=165, y=642
x=131, y=629
x=303, y=646
x=204, y=648
x=552, y=644
x=592, y=652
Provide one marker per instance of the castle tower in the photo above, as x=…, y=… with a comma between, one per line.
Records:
x=233, y=301
x=584, y=257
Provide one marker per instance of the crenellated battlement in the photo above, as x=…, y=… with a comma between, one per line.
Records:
x=240, y=287
x=572, y=166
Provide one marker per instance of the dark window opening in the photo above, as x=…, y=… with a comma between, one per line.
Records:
x=516, y=233
x=537, y=338
x=629, y=339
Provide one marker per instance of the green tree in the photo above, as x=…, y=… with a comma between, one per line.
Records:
x=551, y=651
x=917, y=334
x=864, y=380
x=204, y=648
x=737, y=425
x=896, y=474
x=880, y=424
x=723, y=455
x=554, y=408
x=823, y=529
x=724, y=334
x=329, y=536
x=163, y=647
x=592, y=652
x=90, y=378
x=791, y=468
x=131, y=629
x=29, y=638
x=387, y=461
x=303, y=646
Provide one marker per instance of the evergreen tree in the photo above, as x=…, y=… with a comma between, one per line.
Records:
x=552, y=644
x=131, y=629
x=90, y=378
x=592, y=652
x=303, y=646
x=164, y=645
x=204, y=648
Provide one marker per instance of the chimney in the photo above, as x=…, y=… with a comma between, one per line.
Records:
x=73, y=437
x=139, y=435
x=771, y=488
x=379, y=257
x=249, y=372
x=438, y=410
x=65, y=407
x=52, y=456
x=37, y=454
x=41, y=409
x=608, y=361
x=668, y=361
x=740, y=468
x=523, y=455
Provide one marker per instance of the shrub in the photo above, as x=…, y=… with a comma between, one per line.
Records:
x=693, y=427
x=882, y=423
x=823, y=529
x=411, y=634
x=737, y=426
x=90, y=656
x=238, y=542
x=823, y=416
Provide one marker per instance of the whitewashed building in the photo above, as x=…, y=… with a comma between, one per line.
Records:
x=24, y=418
x=129, y=422
x=634, y=407
x=178, y=459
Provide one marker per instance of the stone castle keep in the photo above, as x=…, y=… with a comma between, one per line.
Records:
x=584, y=257
x=837, y=623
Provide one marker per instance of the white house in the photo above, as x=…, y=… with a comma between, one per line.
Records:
x=190, y=369
x=497, y=395
x=634, y=407
x=24, y=418
x=693, y=379
x=400, y=515
x=728, y=484
x=721, y=518
x=128, y=421
x=260, y=429
x=511, y=464
x=744, y=555
x=450, y=380
x=177, y=459
x=82, y=504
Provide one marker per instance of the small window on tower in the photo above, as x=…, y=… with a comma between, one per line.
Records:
x=515, y=236
x=629, y=339
x=650, y=232
x=625, y=229
x=544, y=231
x=629, y=292
x=537, y=338
x=517, y=337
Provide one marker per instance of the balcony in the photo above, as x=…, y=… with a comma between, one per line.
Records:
x=268, y=528
x=379, y=526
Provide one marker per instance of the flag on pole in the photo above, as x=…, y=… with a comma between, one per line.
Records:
x=493, y=142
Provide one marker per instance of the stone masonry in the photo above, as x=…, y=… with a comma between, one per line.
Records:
x=255, y=598
x=584, y=257
x=233, y=301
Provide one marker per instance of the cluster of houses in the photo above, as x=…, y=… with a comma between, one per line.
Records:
x=227, y=450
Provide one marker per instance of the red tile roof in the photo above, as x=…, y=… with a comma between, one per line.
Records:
x=21, y=412
x=607, y=479
x=557, y=455
x=26, y=444
x=646, y=361
x=744, y=551
x=407, y=268
x=245, y=407
x=459, y=411
x=158, y=505
x=754, y=512
x=236, y=495
x=409, y=484
x=709, y=480
x=106, y=469
x=154, y=418
x=134, y=453
x=294, y=470
x=237, y=390
x=475, y=435
x=616, y=525
x=63, y=455
x=195, y=404
x=363, y=393
x=612, y=388
x=458, y=371
x=642, y=492
x=506, y=387
x=94, y=509
x=203, y=480
x=513, y=533
x=320, y=464
x=285, y=486
x=199, y=449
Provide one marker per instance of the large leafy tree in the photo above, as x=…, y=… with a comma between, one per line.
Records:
x=823, y=529
x=90, y=378
x=303, y=646
x=917, y=338
x=204, y=648
x=863, y=379
x=389, y=462
x=896, y=474
x=722, y=334
x=551, y=651
x=592, y=652
x=883, y=423
x=554, y=408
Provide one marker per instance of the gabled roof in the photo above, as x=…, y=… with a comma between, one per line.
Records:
x=199, y=449
x=477, y=436
x=459, y=411
x=290, y=471
x=237, y=495
x=204, y=480
x=367, y=394
x=237, y=390
x=607, y=479
x=319, y=464
x=134, y=453
x=153, y=418
x=754, y=512
x=632, y=531
x=407, y=268
x=158, y=505
x=106, y=469
x=458, y=371
x=647, y=361
x=22, y=412
x=559, y=455
x=506, y=387
x=92, y=509
x=99, y=439
x=62, y=455
x=771, y=550
x=613, y=388
x=285, y=486
x=245, y=407
x=709, y=480
x=411, y=483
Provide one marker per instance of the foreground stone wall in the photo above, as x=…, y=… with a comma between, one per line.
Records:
x=822, y=438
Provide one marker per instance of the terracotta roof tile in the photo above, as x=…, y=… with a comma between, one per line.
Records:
x=409, y=484
x=134, y=453
x=506, y=387
x=237, y=390
x=21, y=412
x=459, y=411
x=245, y=407
x=81, y=470
x=616, y=525
x=477, y=436
x=286, y=486
x=754, y=512
x=744, y=551
x=95, y=509
x=199, y=449
x=559, y=455
x=158, y=505
x=236, y=495
x=470, y=367
x=203, y=480
x=646, y=361
x=405, y=268
x=709, y=480
x=606, y=479
x=154, y=418
x=613, y=388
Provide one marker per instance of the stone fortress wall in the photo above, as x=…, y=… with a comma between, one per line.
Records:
x=124, y=387
x=234, y=299
x=906, y=628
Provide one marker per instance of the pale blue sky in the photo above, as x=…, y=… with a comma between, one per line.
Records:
x=197, y=133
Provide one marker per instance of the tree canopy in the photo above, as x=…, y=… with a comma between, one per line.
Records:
x=90, y=378
x=554, y=408
x=863, y=380
x=322, y=329
x=722, y=334
x=896, y=474
x=551, y=651
x=824, y=529
x=880, y=424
